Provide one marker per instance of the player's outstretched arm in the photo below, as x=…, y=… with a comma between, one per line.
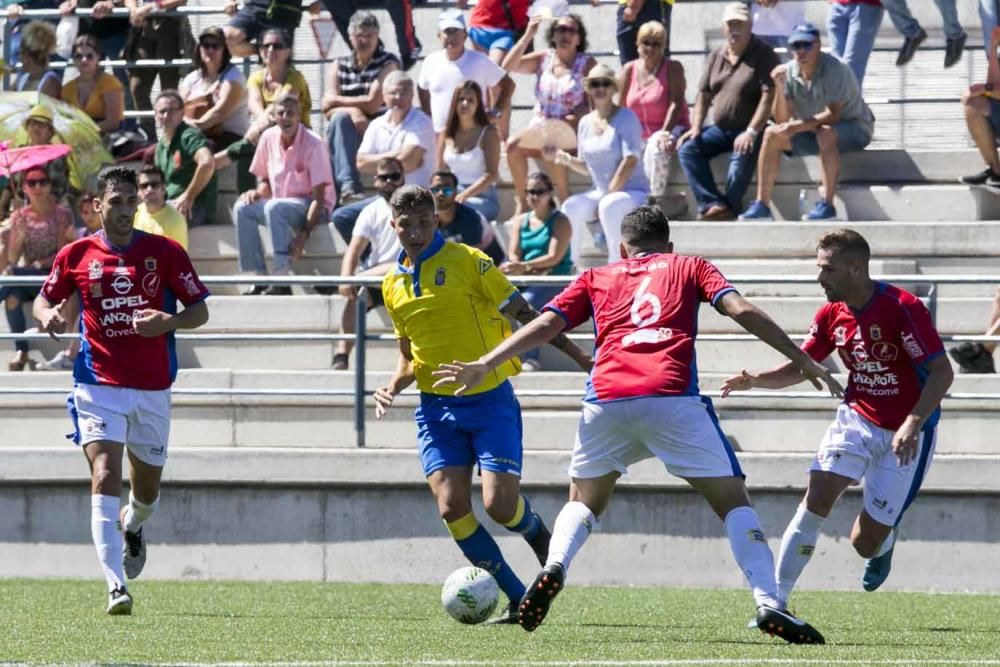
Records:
x=785, y=375
x=523, y=312
x=757, y=322
x=402, y=379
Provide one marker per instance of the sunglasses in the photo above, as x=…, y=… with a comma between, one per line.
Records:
x=211, y=46
x=801, y=46
x=84, y=56
x=36, y=182
x=538, y=193
x=445, y=190
x=277, y=46
x=150, y=185
x=566, y=28
x=394, y=176
x=600, y=83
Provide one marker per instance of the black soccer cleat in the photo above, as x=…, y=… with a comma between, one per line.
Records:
x=508, y=616
x=784, y=625
x=540, y=545
x=539, y=596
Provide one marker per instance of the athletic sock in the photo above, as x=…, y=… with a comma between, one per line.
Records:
x=526, y=521
x=797, y=547
x=746, y=538
x=107, y=538
x=572, y=528
x=482, y=551
x=137, y=512
x=888, y=543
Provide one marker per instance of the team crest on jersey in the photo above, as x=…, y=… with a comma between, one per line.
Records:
x=885, y=351
x=151, y=283
x=484, y=265
x=875, y=332
x=439, y=276
x=840, y=336
x=150, y=264
x=95, y=270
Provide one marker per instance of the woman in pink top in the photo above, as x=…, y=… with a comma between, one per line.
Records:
x=653, y=87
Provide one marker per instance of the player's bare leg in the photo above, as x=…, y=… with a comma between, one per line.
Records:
x=588, y=498
x=144, y=498
x=506, y=505
x=875, y=542
x=729, y=499
x=105, y=459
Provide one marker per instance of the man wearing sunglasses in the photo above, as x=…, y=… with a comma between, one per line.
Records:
x=461, y=223
x=155, y=215
x=818, y=110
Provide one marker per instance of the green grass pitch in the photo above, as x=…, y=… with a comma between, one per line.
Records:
x=60, y=621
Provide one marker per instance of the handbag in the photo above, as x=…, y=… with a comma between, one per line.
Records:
x=197, y=107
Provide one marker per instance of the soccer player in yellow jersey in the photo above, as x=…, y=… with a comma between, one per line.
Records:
x=448, y=301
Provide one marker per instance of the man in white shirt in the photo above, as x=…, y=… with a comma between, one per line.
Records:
x=373, y=231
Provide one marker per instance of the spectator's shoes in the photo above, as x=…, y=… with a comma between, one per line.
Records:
x=717, y=212
x=877, y=571
x=255, y=290
x=973, y=358
x=539, y=596
x=783, y=624
x=119, y=602
x=910, y=46
x=508, y=616
x=278, y=290
x=540, y=545
x=340, y=362
x=60, y=362
x=987, y=178
x=953, y=49
x=757, y=210
x=350, y=194
x=530, y=366
x=823, y=210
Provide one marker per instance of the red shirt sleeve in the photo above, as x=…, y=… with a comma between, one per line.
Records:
x=711, y=283
x=916, y=330
x=59, y=285
x=818, y=343
x=573, y=304
x=182, y=278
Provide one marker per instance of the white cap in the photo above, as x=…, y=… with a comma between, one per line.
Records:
x=451, y=18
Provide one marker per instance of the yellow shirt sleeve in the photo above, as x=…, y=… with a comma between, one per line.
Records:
x=493, y=284
x=298, y=84
x=398, y=327
x=173, y=224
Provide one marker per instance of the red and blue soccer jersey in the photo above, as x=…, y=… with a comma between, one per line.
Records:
x=886, y=346
x=113, y=283
x=645, y=312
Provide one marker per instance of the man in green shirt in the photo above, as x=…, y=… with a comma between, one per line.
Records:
x=184, y=156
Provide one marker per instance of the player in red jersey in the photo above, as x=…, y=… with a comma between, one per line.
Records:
x=643, y=400
x=884, y=430
x=128, y=283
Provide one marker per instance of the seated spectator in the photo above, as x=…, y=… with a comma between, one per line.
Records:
x=469, y=147
x=40, y=131
x=445, y=70
x=559, y=72
x=736, y=86
x=539, y=247
x=982, y=117
x=214, y=94
x=610, y=147
x=403, y=132
x=16, y=22
x=293, y=195
x=160, y=37
x=852, y=26
x=354, y=98
x=112, y=32
x=256, y=16
x=38, y=43
x=277, y=78
x=99, y=94
x=184, y=156
x=496, y=25
x=914, y=35
x=978, y=357
x=632, y=14
x=653, y=87
x=401, y=14
x=818, y=109
x=373, y=251
x=460, y=222
x=36, y=233
x=155, y=215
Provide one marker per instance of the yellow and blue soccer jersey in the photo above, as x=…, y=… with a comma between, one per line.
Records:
x=448, y=306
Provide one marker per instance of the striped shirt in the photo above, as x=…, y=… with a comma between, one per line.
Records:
x=355, y=82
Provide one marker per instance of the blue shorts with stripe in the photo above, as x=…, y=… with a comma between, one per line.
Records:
x=462, y=430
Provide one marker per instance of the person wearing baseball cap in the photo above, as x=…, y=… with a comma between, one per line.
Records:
x=818, y=111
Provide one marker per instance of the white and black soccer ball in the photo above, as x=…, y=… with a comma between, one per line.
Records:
x=470, y=595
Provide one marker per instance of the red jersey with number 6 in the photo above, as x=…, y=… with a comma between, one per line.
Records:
x=645, y=312
x=152, y=272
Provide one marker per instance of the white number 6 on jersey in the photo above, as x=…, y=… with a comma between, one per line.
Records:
x=641, y=297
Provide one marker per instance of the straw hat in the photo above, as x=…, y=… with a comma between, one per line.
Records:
x=601, y=71
x=40, y=112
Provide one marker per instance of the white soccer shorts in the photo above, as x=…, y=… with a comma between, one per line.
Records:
x=138, y=418
x=682, y=431
x=856, y=448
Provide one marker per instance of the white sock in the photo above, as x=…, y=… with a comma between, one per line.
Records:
x=752, y=554
x=107, y=538
x=797, y=546
x=137, y=512
x=572, y=528
x=887, y=544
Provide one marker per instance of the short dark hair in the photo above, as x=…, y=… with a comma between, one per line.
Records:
x=581, y=30
x=645, y=226
x=846, y=241
x=387, y=161
x=152, y=170
x=116, y=175
x=170, y=94
x=444, y=173
x=411, y=197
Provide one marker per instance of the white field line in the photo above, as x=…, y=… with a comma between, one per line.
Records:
x=594, y=663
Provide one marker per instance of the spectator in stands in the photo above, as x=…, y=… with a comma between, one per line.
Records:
x=36, y=233
x=111, y=31
x=496, y=25
x=353, y=99
x=460, y=222
x=17, y=23
x=982, y=117
x=99, y=94
x=773, y=21
x=403, y=132
x=654, y=88
x=978, y=357
x=159, y=37
x=40, y=131
x=38, y=43
x=539, y=246
x=443, y=71
x=914, y=35
x=610, y=148
x=255, y=16
x=184, y=156
x=294, y=194
x=373, y=251
x=736, y=85
x=401, y=13
x=853, y=25
x=215, y=95
x=632, y=14
x=469, y=147
x=155, y=215
x=818, y=109
x=559, y=89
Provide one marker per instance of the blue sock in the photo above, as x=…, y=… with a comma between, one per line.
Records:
x=483, y=551
x=526, y=521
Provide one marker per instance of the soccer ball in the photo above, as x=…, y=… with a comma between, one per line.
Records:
x=470, y=595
